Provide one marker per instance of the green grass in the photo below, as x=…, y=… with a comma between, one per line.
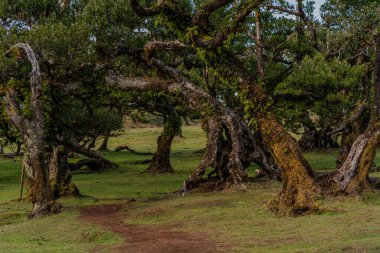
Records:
x=237, y=219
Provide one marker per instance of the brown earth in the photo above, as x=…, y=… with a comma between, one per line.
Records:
x=145, y=238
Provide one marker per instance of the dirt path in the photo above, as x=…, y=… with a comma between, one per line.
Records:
x=145, y=239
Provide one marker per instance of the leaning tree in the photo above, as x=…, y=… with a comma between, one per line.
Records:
x=214, y=43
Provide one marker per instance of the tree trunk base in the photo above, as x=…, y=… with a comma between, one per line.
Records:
x=45, y=209
x=210, y=185
x=65, y=188
x=159, y=170
x=295, y=202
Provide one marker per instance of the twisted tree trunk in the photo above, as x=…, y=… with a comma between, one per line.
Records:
x=352, y=177
x=230, y=146
x=32, y=133
x=300, y=191
x=60, y=175
x=350, y=134
x=161, y=159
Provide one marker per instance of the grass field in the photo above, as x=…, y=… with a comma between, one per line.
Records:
x=238, y=220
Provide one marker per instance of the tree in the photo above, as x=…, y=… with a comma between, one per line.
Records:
x=32, y=132
x=300, y=190
x=352, y=176
x=161, y=158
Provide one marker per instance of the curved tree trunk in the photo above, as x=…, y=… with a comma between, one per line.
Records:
x=104, y=145
x=300, y=191
x=161, y=159
x=32, y=133
x=230, y=146
x=350, y=134
x=59, y=174
x=352, y=177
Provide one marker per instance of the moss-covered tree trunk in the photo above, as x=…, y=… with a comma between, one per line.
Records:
x=60, y=175
x=161, y=158
x=350, y=134
x=299, y=191
x=230, y=147
x=352, y=177
x=32, y=133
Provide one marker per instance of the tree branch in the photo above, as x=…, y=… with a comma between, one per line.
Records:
x=35, y=83
x=201, y=18
x=359, y=111
x=136, y=83
x=155, y=46
x=13, y=111
x=221, y=36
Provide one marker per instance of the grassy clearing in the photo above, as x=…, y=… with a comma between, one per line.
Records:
x=238, y=219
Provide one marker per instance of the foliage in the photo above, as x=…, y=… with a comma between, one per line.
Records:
x=319, y=91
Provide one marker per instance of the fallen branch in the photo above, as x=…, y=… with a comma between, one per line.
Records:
x=120, y=148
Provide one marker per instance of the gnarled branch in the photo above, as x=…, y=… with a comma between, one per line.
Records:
x=359, y=111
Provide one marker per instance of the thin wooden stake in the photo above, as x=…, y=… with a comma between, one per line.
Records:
x=22, y=180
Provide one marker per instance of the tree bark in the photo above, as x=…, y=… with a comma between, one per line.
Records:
x=259, y=46
x=230, y=145
x=104, y=145
x=18, y=149
x=352, y=177
x=300, y=191
x=161, y=159
x=32, y=133
x=350, y=134
x=60, y=175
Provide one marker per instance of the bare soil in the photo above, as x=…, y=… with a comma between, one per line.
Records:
x=146, y=238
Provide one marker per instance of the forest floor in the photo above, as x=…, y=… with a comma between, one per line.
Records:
x=146, y=238
x=124, y=210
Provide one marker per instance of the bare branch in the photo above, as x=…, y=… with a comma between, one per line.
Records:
x=155, y=46
x=360, y=109
x=136, y=83
x=35, y=82
x=13, y=111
